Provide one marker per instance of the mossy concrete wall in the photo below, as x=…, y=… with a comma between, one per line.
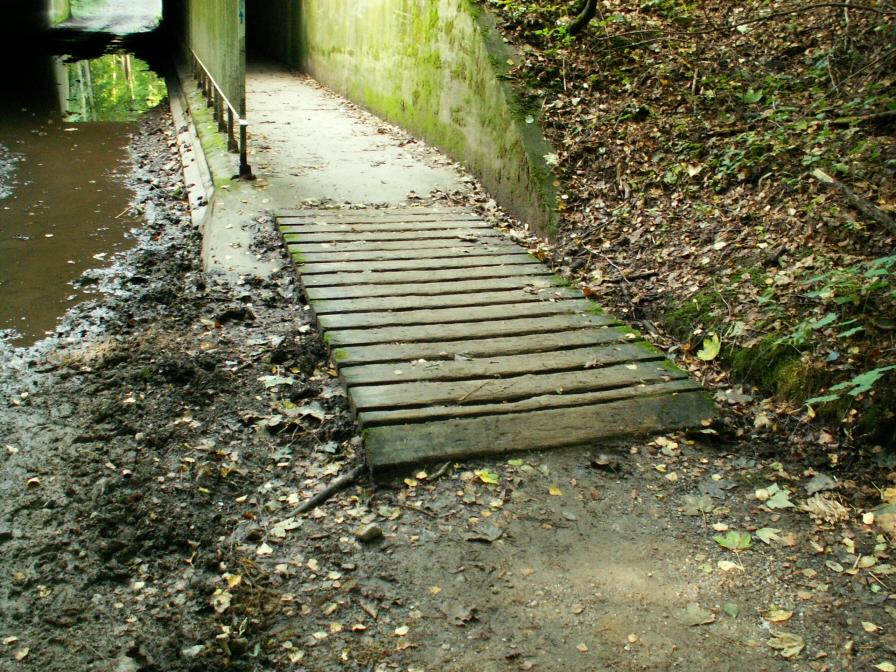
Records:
x=437, y=68
x=216, y=31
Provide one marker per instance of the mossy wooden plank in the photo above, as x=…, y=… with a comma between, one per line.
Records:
x=418, y=264
x=384, y=224
x=546, y=401
x=356, y=213
x=457, y=439
x=497, y=366
x=432, y=288
x=449, y=232
x=486, y=347
x=495, y=390
x=464, y=330
x=419, y=302
x=448, y=241
x=452, y=252
x=441, y=316
x=423, y=277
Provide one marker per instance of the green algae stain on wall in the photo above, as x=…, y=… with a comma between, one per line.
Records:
x=438, y=68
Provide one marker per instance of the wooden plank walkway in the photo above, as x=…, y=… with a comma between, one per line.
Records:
x=453, y=341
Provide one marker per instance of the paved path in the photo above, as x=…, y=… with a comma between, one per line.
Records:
x=451, y=340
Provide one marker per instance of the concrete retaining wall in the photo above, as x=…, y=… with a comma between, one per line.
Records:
x=435, y=67
x=216, y=31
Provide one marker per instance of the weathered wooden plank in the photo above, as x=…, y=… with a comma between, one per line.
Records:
x=487, y=347
x=289, y=235
x=441, y=316
x=554, y=400
x=464, y=330
x=418, y=264
x=425, y=253
x=418, y=302
x=414, y=211
x=423, y=277
x=432, y=288
x=496, y=390
x=395, y=445
x=386, y=224
x=449, y=241
x=581, y=359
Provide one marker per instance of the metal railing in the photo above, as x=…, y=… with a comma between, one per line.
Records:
x=228, y=117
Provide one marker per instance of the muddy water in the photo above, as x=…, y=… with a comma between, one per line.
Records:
x=64, y=203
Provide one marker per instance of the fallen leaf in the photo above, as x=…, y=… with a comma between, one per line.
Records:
x=402, y=631
x=233, y=580
x=221, y=600
x=727, y=565
x=487, y=476
x=22, y=653
x=868, y=626
x=820, y=482
x=582, y=648
x=776, y=615
x=767, y=535
x=555, y=491
x=731, y=609
x=694, y=614
x=825, y=509
x=735, y=541
x=885, y=667
x=695, y=506
x=484, y=532
x=779, y=500
x=787, y=644
x=264, y=549
x=712, y=345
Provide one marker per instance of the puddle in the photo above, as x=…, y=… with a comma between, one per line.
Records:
x=64, y=207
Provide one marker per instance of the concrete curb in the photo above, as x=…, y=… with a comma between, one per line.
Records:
x=197, y=176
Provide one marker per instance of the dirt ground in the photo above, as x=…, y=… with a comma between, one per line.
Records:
x=154, y=453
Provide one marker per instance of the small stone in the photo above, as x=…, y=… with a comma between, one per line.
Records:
x=369, y=533
x=192, y=651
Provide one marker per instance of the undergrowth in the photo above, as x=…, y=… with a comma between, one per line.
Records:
x=686, y=137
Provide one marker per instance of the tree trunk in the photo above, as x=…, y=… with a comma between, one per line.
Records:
x=577, y=25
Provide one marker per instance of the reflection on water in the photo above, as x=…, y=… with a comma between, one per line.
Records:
x=64, y=208
x=114, y=87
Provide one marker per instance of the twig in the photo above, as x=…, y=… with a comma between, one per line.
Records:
x=474, y=390
x=439, y=472
x=635, y=276
x=335, y=486
x=864, y=206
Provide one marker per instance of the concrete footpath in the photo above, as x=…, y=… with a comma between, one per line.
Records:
x=307, y=146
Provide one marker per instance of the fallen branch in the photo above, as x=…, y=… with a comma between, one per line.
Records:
x=335, y=486
x=634, y=276
x=864, y=206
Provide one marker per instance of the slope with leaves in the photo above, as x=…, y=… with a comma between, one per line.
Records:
x=687, y=134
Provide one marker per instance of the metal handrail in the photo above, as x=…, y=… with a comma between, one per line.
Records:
x=219, y=101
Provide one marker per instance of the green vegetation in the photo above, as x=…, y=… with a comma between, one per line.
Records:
x=114, y=87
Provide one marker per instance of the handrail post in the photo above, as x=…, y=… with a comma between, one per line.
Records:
x=245, y=168
x=221, y=106
x=232, y=145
